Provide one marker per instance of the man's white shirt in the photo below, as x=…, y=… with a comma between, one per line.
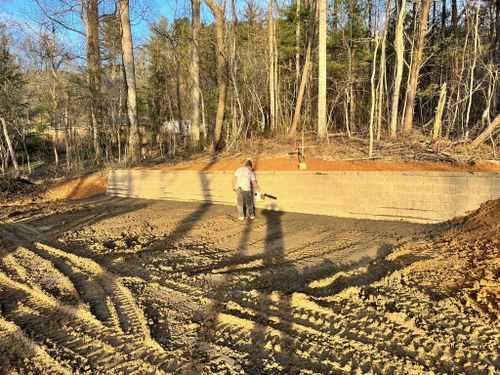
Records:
x=244, y=178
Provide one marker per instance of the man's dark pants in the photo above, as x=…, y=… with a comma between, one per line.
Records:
x=244, y=200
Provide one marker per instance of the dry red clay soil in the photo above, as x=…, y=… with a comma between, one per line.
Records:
x=111, y=285
x=291, y=164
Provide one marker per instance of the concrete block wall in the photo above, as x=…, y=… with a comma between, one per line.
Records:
x=423, y=197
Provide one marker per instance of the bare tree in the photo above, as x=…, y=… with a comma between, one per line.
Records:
x=194, y=71
x=297, y=43
x=90, y=17
x=322, y=130
x=373, y=97
x=382, y=82
x=436, y=133
x=399, y=46
x=496, y=47
x=134, y=150
x=415, y=66
x=222, y=65
x=9, y=145
x=454, y=16
x=272, y=89
x=472, y=70
x=304, y=79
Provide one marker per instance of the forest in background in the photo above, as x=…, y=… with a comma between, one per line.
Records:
x=74, y=87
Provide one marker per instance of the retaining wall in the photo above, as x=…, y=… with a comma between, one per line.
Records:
x=423, y=197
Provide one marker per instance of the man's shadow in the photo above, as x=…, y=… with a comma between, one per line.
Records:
x=274, y=296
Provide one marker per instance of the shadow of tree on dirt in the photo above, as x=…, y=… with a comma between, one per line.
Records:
x=374, y=270
x=269, y=315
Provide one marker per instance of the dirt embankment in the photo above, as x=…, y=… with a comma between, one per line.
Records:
x=467, y=265
x=79, y=188
x=112, y=285
x=291, y=164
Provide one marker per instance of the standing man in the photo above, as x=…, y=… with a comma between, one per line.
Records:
x=243, y=181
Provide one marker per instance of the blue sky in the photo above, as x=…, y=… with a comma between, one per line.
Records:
x=24, y=17
x=143, y=12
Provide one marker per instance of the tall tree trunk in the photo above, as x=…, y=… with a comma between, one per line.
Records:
x=54, y=147
x=434, y=13
x=443, y=17
x=53, y=97
x=67, y=133
x=496, y=47
x=416, y=64
x=180, y=116
x=9, y=146
x=272, y=91
x=352, y=70
x=303, y=80
x=134, y=151
x=297, y=44
x=222, y=65
x=233, y=71
x=4, y=156
x=382, y=70
x=454, y=17
x=399, y=46
x=322, y=130
x=23, y=139
x=335, y=16
x=346, y=113
x=436, y=133
x=472, y=70
x=194, y=70
x=491, y=14
x=277, y=106
x=91, y=20
x=373, y=96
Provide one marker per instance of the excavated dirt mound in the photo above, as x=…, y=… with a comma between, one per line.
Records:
x=79, y=188
x=467, y=266
x=292, y=164
x=112, y=285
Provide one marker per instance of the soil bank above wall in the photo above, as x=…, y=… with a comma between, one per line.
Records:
x=416, y=196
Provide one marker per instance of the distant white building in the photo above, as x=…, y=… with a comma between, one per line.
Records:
x=180, y=127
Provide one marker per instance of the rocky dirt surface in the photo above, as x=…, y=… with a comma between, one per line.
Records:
x=110, y=285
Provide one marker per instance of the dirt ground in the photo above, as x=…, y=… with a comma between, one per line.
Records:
x=79, y=188
x=110, y=285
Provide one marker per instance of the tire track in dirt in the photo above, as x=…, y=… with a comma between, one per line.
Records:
x=25, y=266
x=297, y=243
x=108, y=288
x=109, y=300
x=88, y=287
x=320, y=325
x=280, y=295
x=393, y=335
x=110, y=295
x=18, y=346
x=77, y=330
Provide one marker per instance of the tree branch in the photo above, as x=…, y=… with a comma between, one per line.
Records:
x=53, y=19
